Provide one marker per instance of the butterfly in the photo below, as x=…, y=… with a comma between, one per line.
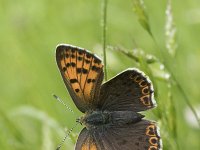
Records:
x=111, y=117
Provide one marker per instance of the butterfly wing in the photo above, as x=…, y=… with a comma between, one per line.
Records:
x=82, y=73
x=143, y=135
x=87, y=141
x=129, y=90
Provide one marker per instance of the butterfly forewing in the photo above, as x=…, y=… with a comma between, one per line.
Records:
x=130, y=90
x=82, y=73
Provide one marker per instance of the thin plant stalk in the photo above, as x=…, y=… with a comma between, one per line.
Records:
x=104, y=21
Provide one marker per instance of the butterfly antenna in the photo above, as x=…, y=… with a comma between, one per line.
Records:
x=68, y=133
x=61, y=101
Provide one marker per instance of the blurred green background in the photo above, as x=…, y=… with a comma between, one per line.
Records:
x=30, y=118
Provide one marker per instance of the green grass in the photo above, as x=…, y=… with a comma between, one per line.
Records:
x=30, y=118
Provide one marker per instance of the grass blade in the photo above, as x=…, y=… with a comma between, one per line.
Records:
x=139, y=9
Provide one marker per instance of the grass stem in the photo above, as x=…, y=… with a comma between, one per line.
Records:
x=104, y=28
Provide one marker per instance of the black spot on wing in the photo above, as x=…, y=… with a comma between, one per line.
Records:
x=79, y=70
x=87, y=61
x=77, y=90
x=89, y=80
x=85, y=71
x=67, y=55
x=88, y=55
x=64, y=69
x=73, y=64
x=96, y=60
x=68, y=64
x=73, y=80
x=73, y=50
x=80, y=52
x=73, y=56
x=94, y=68
x=80, y=58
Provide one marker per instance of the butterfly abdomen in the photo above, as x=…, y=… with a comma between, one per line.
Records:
x=125, y=117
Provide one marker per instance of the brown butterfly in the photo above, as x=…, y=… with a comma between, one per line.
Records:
x=111, y=117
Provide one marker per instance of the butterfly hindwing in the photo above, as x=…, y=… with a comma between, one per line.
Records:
x=143, y=135
x=130, y=90
x=82, y=73
x=87, y=141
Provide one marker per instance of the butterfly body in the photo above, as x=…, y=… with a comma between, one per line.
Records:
x=95, y=119
x=111, y=117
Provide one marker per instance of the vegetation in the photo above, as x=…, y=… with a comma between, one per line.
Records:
x=161, y=38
